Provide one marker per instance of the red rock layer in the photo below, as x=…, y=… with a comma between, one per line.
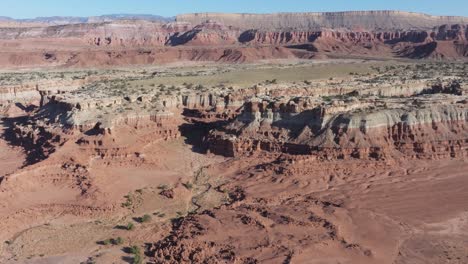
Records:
x=396, y=141
x=143, y=56
x=131, y=43
x=435, y=132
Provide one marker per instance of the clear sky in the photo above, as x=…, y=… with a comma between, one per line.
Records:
x=35, y=8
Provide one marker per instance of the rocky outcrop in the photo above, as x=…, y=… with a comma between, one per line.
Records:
x=104, y=125
x=31, y=91
x=423, y=126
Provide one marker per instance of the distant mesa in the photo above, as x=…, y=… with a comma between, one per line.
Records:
x=370, y=20
x=124, y=39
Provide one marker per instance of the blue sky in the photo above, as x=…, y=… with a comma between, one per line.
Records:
x=35, y=8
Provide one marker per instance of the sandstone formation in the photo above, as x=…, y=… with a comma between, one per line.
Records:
x=414, y=117
x=235, y=38
x=370, y=20
x=348, y=128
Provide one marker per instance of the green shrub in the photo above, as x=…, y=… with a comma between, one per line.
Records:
x=146, y=218
x=118, y=241
x=130, y=226
x=137, y=257
x=134, y=249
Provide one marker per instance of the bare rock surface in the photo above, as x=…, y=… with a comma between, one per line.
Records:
x=354, y=19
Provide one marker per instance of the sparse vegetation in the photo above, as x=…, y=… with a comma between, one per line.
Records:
x=118, y=241
x=146, y=218
x=137, y=256
x=129, y=201
x=130, y=226
x=179, y=214
x=163, y=187
x=161, y=215
x=112, y=241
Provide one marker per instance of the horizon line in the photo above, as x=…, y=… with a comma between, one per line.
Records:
x=237, y=13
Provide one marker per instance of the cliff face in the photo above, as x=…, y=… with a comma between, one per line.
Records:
x=449, y=42
x=442, y=33
x=142, y=33
x=428, y=126
x=236, y=38
x=370, y=20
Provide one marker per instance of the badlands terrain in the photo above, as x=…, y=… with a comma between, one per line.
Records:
x=234, y=138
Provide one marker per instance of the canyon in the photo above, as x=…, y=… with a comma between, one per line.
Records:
x=234, y=138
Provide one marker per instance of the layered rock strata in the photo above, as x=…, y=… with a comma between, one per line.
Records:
x=385, y=20
x=429, y=126
x=236, y=38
